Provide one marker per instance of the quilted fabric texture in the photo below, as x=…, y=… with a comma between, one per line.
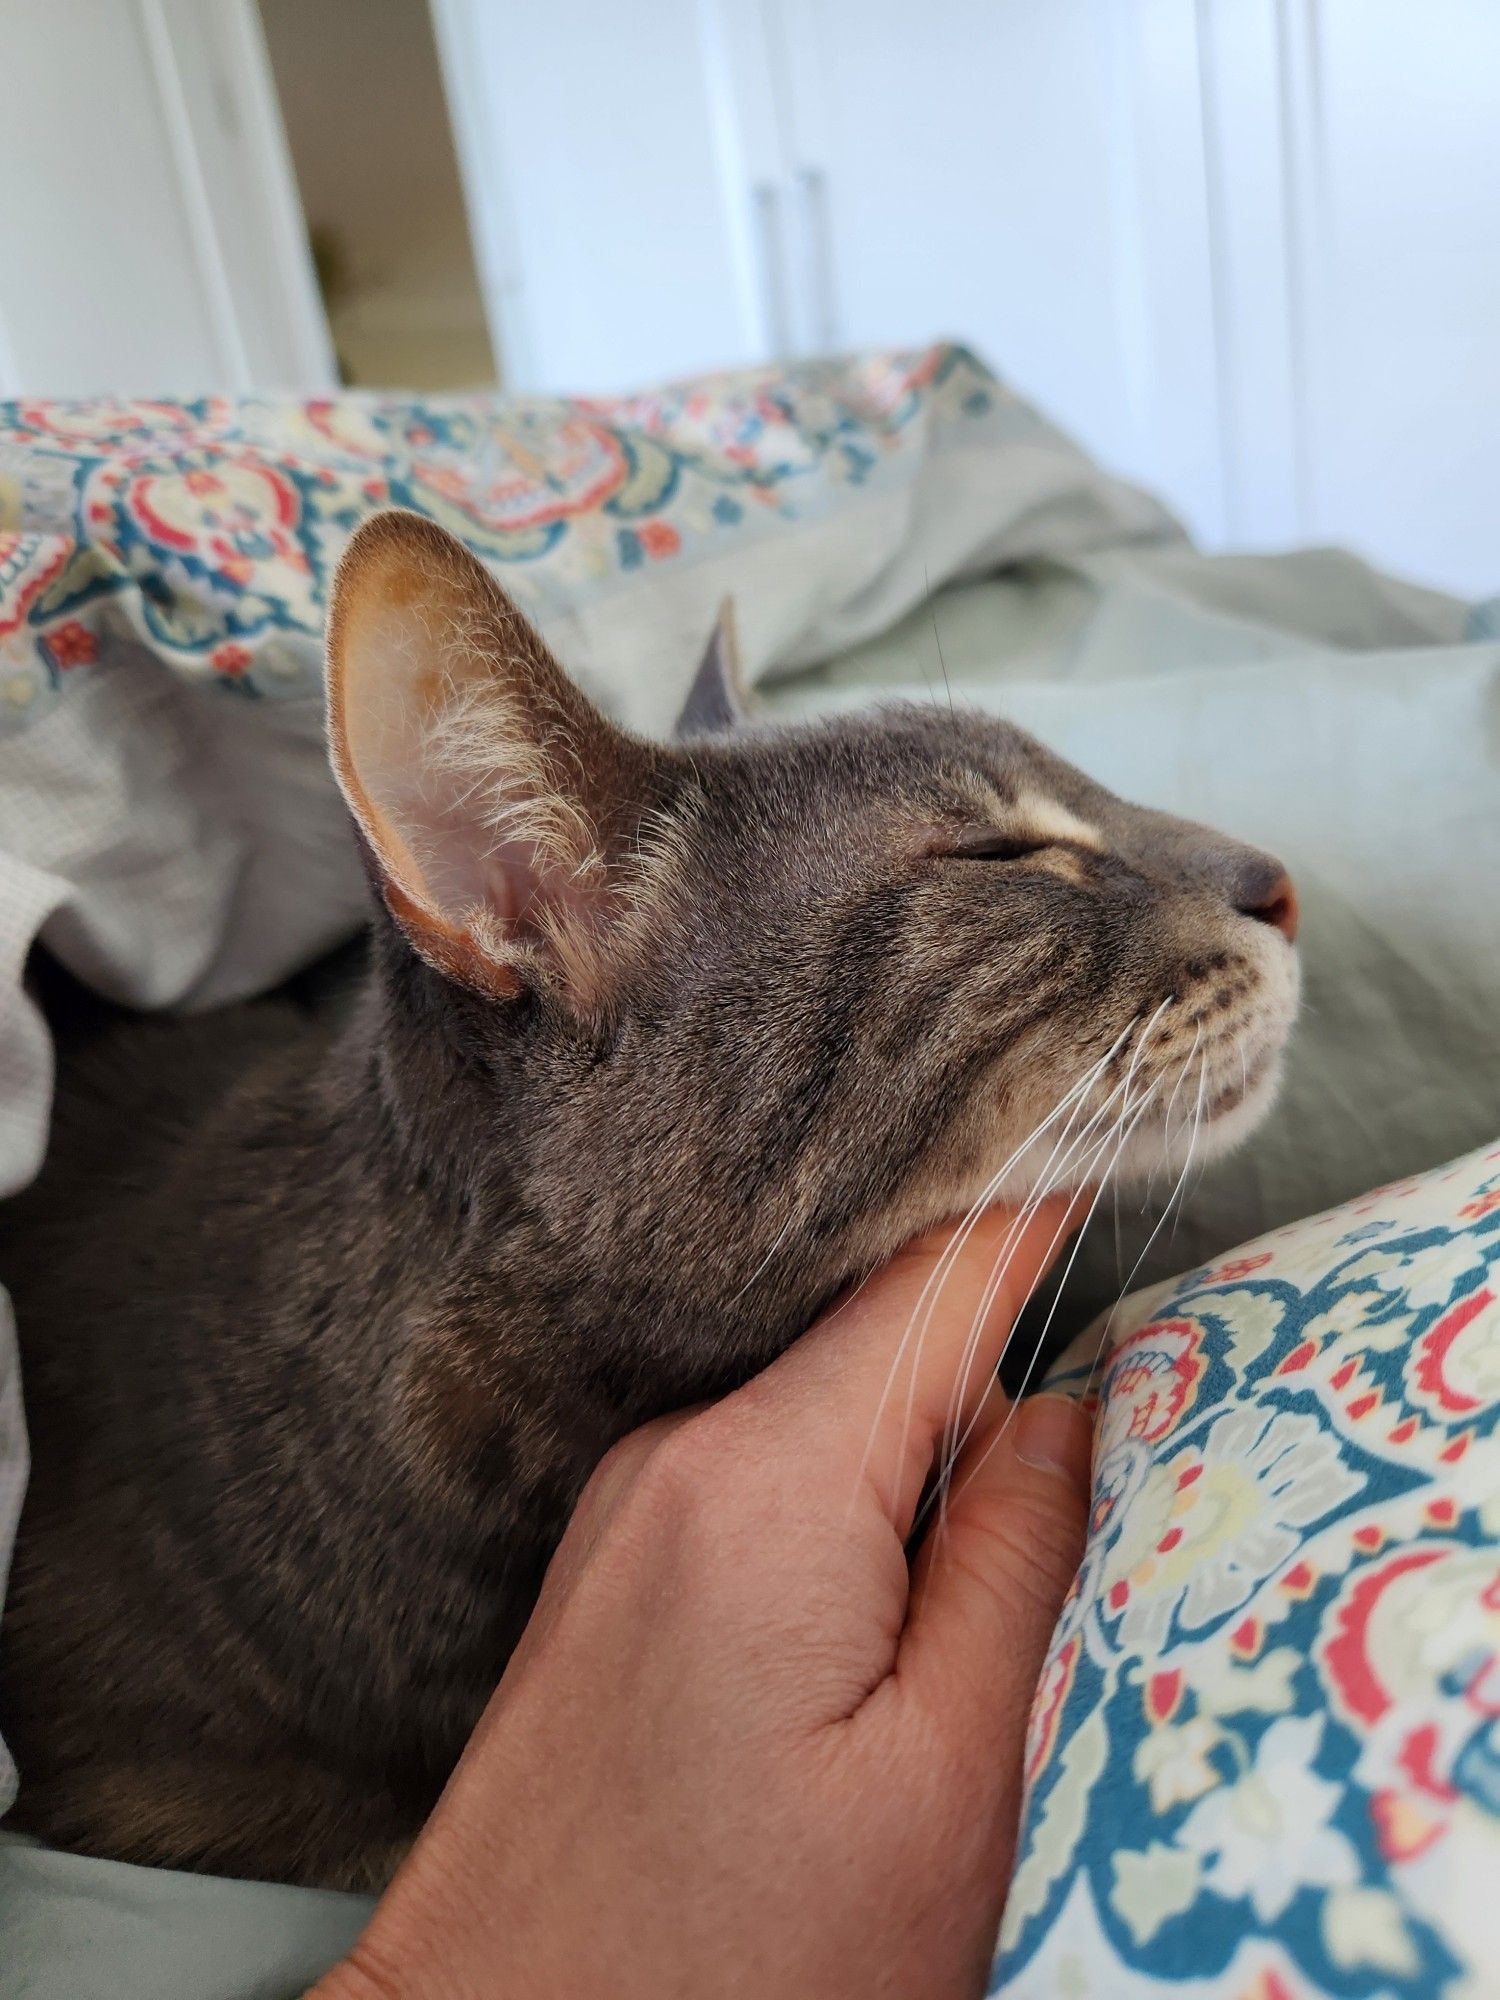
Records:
x=1264, y=1759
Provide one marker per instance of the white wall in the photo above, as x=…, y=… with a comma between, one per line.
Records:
x=150, y=238
x=1249, y=250
x=1404, y=424
x=613, y=261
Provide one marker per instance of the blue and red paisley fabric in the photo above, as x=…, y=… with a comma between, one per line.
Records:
x=1264, y=1759
x=209, y=529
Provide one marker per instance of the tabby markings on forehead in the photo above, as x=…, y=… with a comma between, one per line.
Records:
x=1052, y=820
x=1030, y=812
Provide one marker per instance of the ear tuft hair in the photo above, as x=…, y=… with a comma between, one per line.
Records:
x=501, y=809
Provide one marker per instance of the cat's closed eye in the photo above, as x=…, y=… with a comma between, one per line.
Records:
x=988, y=843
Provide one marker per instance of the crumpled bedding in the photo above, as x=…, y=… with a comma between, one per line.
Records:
x=168, y=828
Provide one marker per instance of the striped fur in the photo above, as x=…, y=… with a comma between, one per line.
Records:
x=328, y=1312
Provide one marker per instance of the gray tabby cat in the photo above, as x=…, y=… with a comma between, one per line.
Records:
x=658, y=1048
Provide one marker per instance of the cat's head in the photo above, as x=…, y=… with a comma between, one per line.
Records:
x=782, y=996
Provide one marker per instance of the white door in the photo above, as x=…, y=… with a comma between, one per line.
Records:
x=962, y=155
x=1247, y=250
x=1403, y=228
x=151, y=240
x=607, y=189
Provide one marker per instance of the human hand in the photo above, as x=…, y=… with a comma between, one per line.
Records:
x=742, y=1748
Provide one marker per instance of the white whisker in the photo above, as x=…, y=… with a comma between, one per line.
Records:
x=1116, y=1133
x=927, y=1298
x=1053, y=1173
x=1121, y=1132
x=1171, y=1107
x=1192, y=1138
x=1187, y=1160
x=764, y=1264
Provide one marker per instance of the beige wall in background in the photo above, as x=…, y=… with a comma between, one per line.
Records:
x=362, y=100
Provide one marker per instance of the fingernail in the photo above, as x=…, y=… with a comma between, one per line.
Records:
x=1052, y=1435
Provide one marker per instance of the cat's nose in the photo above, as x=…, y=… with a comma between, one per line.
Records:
x=1264, y=891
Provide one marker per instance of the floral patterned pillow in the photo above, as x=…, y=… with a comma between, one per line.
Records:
x=1264, y=1758
x=207, y=529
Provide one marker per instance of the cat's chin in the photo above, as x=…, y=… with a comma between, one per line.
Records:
x=1152, y=1158
x=1158, y=1151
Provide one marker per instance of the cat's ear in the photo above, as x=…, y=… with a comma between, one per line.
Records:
x=716, y=704
x=490, y=792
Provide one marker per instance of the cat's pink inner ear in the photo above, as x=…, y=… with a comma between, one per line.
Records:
x=446, y=714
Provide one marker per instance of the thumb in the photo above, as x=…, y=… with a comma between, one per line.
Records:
x=992, y=1575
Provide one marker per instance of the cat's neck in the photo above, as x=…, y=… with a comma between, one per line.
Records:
x=419, y=1082
x=478, y=1145
x=423, y=1131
